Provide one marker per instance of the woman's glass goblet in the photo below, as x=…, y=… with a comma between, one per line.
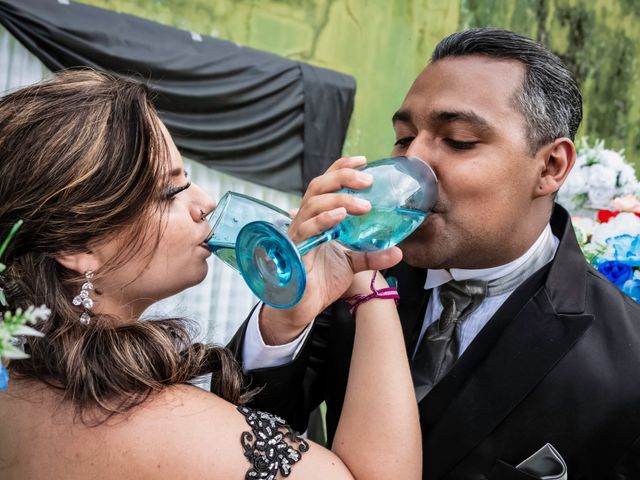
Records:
x=232, y=213
x=403, y=192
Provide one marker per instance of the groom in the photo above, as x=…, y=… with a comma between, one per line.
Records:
x=526, y=361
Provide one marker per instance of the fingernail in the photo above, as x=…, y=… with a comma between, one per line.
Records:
x=365, y=177
x=359, y=159
x=337, y=212
x=362, y=202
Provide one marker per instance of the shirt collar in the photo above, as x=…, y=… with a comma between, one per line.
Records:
x=435, y=278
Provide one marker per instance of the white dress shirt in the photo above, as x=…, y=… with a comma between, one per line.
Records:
x=490, y=305
x=257, y=354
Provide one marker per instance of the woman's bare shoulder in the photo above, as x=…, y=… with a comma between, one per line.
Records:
x=179, y=432
x=227, y=441
x=185, y=427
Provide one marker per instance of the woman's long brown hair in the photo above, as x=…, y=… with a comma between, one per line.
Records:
x=82, y=159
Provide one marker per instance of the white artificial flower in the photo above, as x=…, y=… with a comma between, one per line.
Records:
x=40, y=313
x=28, y=331
x=624, y=223
x=585, y=224
x=627, y=180
x=15, y=353
x=602, y=185
x=581, y=160
x=576, y=182
x=590, y=154
x=611, y=159
x=571, y=194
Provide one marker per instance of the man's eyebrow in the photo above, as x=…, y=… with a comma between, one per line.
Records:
x=177, y=172
x=401, y=116
x=470, y=117
x=446, y=116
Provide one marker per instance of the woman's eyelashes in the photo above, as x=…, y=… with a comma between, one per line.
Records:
x=174, y=190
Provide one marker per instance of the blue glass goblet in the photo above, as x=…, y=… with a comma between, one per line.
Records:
x=403, y=192
x=232, y=213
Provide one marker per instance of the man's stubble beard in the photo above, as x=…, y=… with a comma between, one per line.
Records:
x=421, y=252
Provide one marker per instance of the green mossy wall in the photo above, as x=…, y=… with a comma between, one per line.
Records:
x=384, y=44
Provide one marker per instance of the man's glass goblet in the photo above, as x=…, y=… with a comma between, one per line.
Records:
x=403, y=192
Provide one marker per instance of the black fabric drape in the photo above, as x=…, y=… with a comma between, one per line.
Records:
x=252, y=114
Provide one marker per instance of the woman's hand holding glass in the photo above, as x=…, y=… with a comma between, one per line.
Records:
x=330, y=267
x=402, y=193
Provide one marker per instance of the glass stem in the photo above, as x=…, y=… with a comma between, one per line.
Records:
x=313, y=242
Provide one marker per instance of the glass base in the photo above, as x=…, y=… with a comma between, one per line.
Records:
x=270, y=264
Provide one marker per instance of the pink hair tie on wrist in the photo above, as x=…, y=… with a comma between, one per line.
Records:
x=385, y=293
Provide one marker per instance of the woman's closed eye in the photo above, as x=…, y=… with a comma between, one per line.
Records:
x=173, y=190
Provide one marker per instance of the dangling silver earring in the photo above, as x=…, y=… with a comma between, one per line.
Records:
x=84, y=299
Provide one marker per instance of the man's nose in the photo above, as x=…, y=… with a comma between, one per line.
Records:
x=421, y=151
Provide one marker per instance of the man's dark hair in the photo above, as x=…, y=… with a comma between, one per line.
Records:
x=549, y=98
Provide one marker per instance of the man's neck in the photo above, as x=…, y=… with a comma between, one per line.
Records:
x=438, y=277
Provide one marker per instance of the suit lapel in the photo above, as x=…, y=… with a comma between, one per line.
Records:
x=439, y=399
x=521, y=358
x=413, y=301
x=530, y=333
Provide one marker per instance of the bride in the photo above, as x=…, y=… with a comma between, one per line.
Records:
x=111, y=225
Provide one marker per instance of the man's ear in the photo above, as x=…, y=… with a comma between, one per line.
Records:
x=556, y=161
x=78, y=262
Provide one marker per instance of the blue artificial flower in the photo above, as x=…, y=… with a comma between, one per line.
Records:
x=617, y=272
x=4, y=378
x=627, y=249
x=632, y=288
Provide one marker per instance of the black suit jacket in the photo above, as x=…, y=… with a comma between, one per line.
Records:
x=559, y=362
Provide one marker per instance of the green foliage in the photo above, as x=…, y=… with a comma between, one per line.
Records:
x=384, y=45
x=12, y=324
x=3, y=248
x=598, y=40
